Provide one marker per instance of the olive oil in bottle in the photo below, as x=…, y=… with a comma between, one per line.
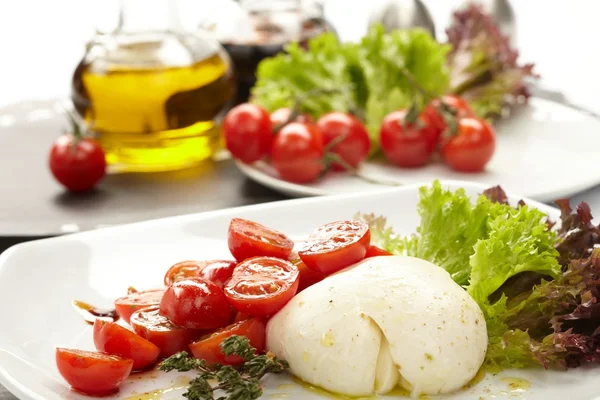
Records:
x=151, y=93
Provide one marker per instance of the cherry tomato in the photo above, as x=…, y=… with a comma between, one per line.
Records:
x=356, y=145
x=473, y=146
x=281, y=116
x=209, y=349
x=308, y=276
x=129, y=304
x=92, y=373
x=374, y=251
x=239, y=317
x=196, y=303
x=297, y=152
x=216, y=271
x=170, y=339
x=80, y=166
x=261, y=286
x=433, y=117
x=336, y=245
x=248, y=239
x=112, y=338
x=248, y=132
x=407, y=145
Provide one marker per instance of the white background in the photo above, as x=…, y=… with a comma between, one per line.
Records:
x=41, y=41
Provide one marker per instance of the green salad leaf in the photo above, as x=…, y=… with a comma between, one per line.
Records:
x=371, y=74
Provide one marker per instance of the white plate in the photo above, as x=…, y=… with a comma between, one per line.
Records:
x=38, y=281
x=545, y=151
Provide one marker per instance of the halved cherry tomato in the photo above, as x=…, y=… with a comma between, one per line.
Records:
x=129, y=304
x=92, y=373
x=170, y=339
x=308, y=276
x=261, y=286
x=196, y=303
x=114, y=339
x=239, y=317
x=248, y=239
x=336, y=245
x=374, y=251
x=216, y=271
x=209, y=349
x=472, y=147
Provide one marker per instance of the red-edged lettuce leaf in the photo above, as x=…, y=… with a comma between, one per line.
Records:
x=484, y=69
x=577, y=234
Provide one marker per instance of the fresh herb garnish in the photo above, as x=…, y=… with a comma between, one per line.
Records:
x=242, y=383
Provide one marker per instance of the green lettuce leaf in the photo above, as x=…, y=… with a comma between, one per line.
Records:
x=371, y=72
x=517, y=241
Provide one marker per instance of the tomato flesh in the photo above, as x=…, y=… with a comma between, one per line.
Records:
x=129, y=304
x=336, y=245
x=374, y=251
x=156, y=328
x=247, y=239
x=114, y=339
x=261, y=286
x=307, y=276
x=92, y=373
x=196, y=303
x=208, y=348
x=216, y=271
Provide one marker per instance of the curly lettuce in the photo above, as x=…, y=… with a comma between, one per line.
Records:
x=370, y=75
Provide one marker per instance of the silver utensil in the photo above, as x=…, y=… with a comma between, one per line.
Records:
x=402, y=14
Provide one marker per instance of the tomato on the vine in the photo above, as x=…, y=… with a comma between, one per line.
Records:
x=297, y=152
x=407, y=144
x=281, y=116
x=472, y=147
x=77, y=163
x=248, y=132
x=354, y=142
x=455, y=103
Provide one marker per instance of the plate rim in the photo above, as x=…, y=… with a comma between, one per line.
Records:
x=22, y=391
x=297, y=190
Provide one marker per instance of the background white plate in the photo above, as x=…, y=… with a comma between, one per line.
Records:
x=38, y=281
x=544, y=151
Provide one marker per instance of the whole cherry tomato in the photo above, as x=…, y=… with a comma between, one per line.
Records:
x=336, y=245
x=77, y=163
x=434, y=117
x=248, y=239
x=112, y=338
x=354, y=143
x=208, y=348
x=472, y=147
x=297, y=152
x=196, y=303
x=281, y=117
x=261, y=286
x=92, y=373
x=406, y=144
x=248, y=132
